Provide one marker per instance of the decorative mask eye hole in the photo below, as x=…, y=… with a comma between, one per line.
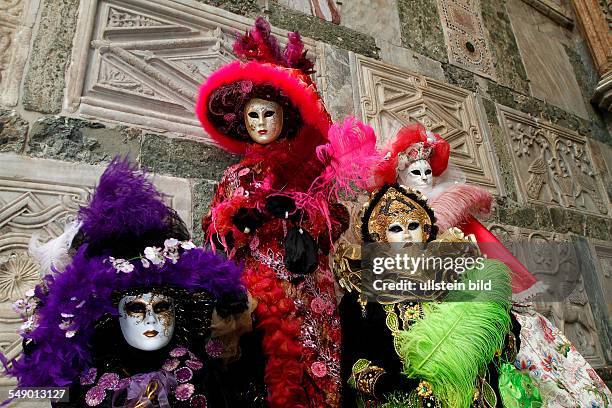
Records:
x=135, y=308
x=416, y=172
x=395, y=228
x=161, y=306
x=427, y=172
x=253, y=115
x=268, y=114
x=413, y=225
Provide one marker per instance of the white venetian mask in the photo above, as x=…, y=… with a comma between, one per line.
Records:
x=147, y=320
x=416, y=175
x=264, y=120
x=401, y=231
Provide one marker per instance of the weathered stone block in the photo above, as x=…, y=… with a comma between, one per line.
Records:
x=318, y=29
x=422, y=28
x=78, y=140
x=184, y=157
x=13, y=131
x=548, y=67
x=334, y=78
x=567, y=221
x=596, y=227
x=506, y=56
x=51, y=50
x=202, y=195
x=409, y=59
x=511, y=213
x=378, y=18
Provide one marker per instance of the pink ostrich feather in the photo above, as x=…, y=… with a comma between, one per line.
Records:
x=349, y=157
x=460, y=202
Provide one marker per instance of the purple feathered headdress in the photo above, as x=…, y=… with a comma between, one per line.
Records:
x=70, y=303
x=125, y=202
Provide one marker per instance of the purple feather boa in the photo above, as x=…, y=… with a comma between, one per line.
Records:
x=84, y=290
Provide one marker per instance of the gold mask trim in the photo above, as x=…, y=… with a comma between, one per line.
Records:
x=396, y=206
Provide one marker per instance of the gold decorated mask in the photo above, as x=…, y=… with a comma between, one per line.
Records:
x=396, y=214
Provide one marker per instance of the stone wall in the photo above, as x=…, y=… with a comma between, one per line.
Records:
x=507, y=82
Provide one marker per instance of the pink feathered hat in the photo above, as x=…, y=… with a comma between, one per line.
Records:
x=269, y=73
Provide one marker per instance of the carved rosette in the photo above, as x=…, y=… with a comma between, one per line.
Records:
x=389, y=96
x=553, y=165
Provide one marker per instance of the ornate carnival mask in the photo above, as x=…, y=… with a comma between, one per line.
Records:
x=147, y=320
x=395, y=215
x=264, y=120
x=413, y=166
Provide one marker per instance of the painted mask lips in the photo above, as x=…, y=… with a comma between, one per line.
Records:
x=150, y=333
x=262, y=132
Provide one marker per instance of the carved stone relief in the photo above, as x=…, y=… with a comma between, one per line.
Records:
x=16, y=20
x=602, y=252
x=387, y=95
x=553, y=165
x=465, y=37
x=574, y=315
x=142, y=61
x=41, y=196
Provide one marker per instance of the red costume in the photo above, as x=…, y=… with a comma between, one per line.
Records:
x=296, y=309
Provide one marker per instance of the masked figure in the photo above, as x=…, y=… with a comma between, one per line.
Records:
x=414, y=353
x=266, y=108
x=457, y=205
x=137, y=316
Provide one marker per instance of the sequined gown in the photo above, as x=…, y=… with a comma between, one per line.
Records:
x=297, y=314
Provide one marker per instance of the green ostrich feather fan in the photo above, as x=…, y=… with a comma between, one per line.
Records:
x=456, y=339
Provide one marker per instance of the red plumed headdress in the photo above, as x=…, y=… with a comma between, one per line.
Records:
x=265, y=72
x=413, y=141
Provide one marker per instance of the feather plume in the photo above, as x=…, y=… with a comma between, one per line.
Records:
x=124, y=203
x=53, y=256
x=258, y=44
x=458, y=203
x=456, y=339
x=295, y=54
x=349, y=156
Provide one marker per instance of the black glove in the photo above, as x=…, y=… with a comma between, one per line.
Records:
x=301, y=251
x=281, y=206
x=247, y=219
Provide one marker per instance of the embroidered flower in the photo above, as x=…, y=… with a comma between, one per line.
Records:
x=198, y=401
x=178, y=352
x=525, y=365
x=145, y=262
x=109, y=381
x=194, y=364
x=214, y=348
x=95, y=396
x=246, y=86
x=183, y=374
x=184, y=391
x=89, y=377
x=318, y=305
x=319, y=369
x=154, y=255
x=548, y=333
x=171, y=364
